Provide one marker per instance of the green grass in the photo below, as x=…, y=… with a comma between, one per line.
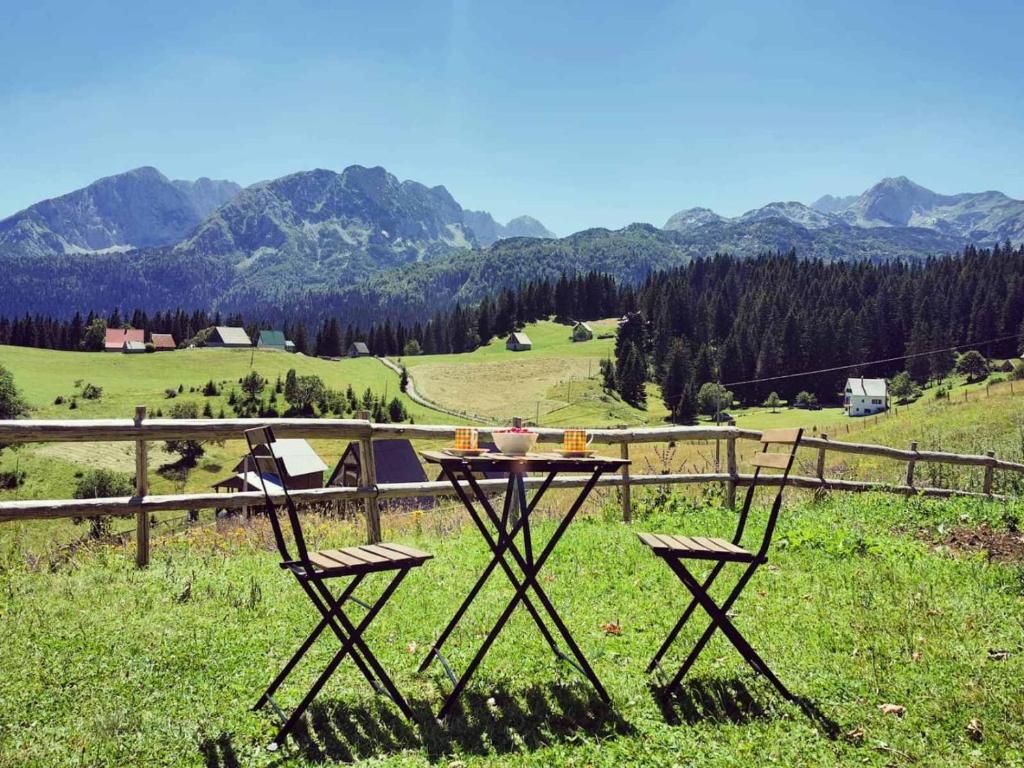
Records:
x=556, y=381
x=130, y=380
x=105, y=665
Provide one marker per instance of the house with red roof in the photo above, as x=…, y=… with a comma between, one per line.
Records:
x=117, y=338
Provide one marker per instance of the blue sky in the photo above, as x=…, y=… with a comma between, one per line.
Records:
x=581, y=114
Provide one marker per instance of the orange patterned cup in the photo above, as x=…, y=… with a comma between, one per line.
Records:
x=576, y=440
x=466, y=439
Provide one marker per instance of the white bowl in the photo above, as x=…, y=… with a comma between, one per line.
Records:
x=515, y=443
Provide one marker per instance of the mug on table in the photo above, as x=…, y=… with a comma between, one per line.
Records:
x=466, y=439
x=576, y=440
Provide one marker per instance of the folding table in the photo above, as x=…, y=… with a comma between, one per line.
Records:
x=507, y=553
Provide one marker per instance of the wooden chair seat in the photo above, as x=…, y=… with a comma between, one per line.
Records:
x=695, y=548
x=363, y=559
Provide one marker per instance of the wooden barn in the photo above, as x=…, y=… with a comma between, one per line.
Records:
x=163, y=342
x=227, y=336
x=395, y=461
x=358, y=349
x=518, y=342
x=582, y=332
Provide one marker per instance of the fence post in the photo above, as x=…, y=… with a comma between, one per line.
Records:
x=627, y=499
x=141, y=490
x=731, y=468
x=819, y=468
x=368, y=479
x=986, y=483
x=911, y=464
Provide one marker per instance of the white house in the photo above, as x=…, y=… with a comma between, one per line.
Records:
x=865, y=396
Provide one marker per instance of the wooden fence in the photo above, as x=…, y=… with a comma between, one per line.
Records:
x=142, y=430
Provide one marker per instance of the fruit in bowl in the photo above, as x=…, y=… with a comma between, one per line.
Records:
x=515, y=441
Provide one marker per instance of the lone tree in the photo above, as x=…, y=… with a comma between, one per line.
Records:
x=713, y=398
x=11, y=404
x=189, y=451
x=98, y=484
x=805, y=399
x=773, y=401
x=253, y=385
x=403, y=380
x=904, y=388
x=972, y=365
x=304, y=392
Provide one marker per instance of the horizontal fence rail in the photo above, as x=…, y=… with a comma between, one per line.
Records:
x=142, y=430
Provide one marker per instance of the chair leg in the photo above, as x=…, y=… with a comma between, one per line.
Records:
x=720, y=621
x=306, y=645
x=352, y=641
x=656, y=660
x=329, y=610
x=356, y=633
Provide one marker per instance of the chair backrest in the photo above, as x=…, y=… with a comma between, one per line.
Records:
x=773, y=460
x=264, y=436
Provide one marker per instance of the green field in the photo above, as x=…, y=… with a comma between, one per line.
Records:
x=109, y=666
x=555, y=384
x=865, y=602
x=130, y=380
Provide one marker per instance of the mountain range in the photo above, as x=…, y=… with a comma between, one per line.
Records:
x=138, y=209
x=895, y=215
x=363, y=238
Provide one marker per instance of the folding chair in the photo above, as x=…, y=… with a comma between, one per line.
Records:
x=674, y=549
x=312, y=570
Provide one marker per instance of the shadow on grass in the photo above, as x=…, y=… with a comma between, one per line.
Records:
x=718, y=700
x=503, y=722
x=219, y=752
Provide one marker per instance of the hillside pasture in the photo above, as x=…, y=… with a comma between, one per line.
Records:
x=495, y=383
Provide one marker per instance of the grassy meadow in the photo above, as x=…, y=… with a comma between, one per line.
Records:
x=562, y=374
x=868, y=600
x=861, y=606
x=129, y=380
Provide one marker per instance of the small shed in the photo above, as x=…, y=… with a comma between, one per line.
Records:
x=289, y=346
x=1005, y=366
x=303, y=467
x=272, y=340
x=163, y=342
x=358, y=349
x=116, y=338
x=228, y=336
x=395, y=462
x=582, y=332
x=518, y=342
x=134, y=348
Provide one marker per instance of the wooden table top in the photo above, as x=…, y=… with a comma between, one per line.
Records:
x=531, y=462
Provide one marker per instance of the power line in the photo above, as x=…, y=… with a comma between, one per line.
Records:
x=869, y=362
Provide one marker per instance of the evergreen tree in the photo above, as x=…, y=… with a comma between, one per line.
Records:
x=678, y=374
x=685, y=410
x=630, y=377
